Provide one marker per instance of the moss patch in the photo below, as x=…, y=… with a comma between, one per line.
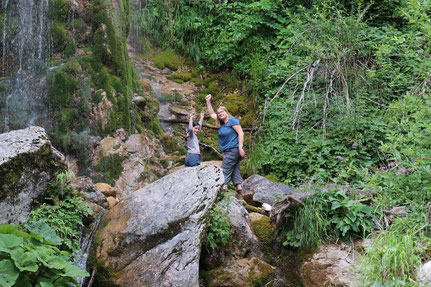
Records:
x=167, y=60
x=181, y=77
x=264, y=232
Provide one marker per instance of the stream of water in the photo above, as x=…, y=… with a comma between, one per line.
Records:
x=25, y=54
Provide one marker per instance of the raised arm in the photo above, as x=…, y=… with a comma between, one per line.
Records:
x=240, y=133
x=211, y=112
x=201, y=120
x=190, y=122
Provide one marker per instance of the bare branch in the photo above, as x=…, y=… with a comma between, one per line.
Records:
x=216, y=151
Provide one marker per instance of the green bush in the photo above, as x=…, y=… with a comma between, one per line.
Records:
x=33, y=259
x=329, y=214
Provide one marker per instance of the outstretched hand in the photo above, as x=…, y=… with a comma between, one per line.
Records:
x=191, y=116
x=208, y=97
x=202, y=115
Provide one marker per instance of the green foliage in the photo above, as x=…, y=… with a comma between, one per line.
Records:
x=329, y=214
x=65, y=218
x=219, y=227
x=390, y=260
x=33, y=259
x=348, y=218
x=58, y=10
x=310, y=226
x=109, y=168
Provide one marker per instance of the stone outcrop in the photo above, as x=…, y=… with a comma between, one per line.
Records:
x=258, y=190
x=154, y=236
x=330, y=266
x=142, y=160
x=28, y=162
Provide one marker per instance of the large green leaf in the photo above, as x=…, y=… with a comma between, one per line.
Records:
x=24, y=260
x=9, y=241
x=41, y=230
x=50, y=261
x=8, y=273
x=8, y=228
x=73, y=271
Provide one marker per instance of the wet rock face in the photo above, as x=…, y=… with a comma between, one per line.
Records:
x=154, y=236
x=258, y=190
x=28, y=163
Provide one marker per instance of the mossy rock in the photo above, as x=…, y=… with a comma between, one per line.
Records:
x=264, y=275
x=167, y=60
x=264, y=232
x=181, y=77
x=59, y=36
x=72, y=67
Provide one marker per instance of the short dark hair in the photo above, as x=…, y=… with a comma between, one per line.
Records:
x=196, y=124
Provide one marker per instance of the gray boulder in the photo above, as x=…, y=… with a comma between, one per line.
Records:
x=154, y=235
x=28, y=162
x=258, y=190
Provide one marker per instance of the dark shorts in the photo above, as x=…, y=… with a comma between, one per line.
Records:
x=193, y=160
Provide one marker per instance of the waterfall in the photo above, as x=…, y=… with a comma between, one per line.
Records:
x=25, y=54
x=85, y=242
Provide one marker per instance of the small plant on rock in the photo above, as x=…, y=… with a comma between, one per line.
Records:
x=219, y=227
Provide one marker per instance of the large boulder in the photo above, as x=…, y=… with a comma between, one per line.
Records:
x=154, y=235
x=28, y=163
x=258, y=190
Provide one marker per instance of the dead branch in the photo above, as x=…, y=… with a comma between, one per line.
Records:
x=310, y=75
x=216, y=151
x=267, y=104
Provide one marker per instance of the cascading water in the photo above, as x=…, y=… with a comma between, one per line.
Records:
x=85, y=242
x=25, y=53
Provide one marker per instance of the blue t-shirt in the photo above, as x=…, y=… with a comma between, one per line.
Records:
x=227, y=136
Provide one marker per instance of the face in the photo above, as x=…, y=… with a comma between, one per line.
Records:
x=221, y=114
x=196, y=130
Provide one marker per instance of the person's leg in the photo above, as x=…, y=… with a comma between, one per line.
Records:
x=236, y=175
x=188, y=160
x=228, y=164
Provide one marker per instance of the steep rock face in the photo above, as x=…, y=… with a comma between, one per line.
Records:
x=153, y=236
x=28, y=163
